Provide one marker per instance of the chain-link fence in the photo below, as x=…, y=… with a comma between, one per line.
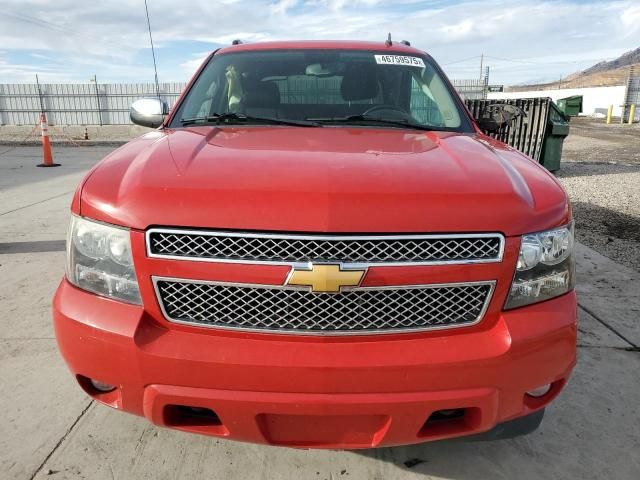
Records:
x=108, y=103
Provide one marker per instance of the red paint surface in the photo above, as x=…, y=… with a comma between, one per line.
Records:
x=244, y=377
x=323, y=180
x=344, y=392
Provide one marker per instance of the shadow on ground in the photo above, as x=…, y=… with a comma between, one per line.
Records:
x=32, y=247
x=614, y=234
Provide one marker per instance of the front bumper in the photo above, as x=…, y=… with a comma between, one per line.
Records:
x=355, y=392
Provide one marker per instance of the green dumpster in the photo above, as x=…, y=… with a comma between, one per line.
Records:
x=555, y=133
x=539, y=133
x=571, y=106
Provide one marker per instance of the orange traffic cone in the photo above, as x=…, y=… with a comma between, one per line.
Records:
x=47, y=156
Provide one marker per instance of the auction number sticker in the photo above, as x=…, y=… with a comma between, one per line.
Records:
x=399, y=60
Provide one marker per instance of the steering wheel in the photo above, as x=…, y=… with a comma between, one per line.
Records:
x=394, y=108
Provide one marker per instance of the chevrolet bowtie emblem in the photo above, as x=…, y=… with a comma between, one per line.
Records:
x=325, y=278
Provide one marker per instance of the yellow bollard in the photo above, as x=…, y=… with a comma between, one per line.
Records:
x=632, y=113
x=609, y=114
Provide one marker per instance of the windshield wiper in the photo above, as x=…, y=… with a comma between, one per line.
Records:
x=241, y=117
x=366, y=118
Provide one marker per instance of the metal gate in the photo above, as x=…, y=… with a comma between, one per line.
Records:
x=632, y=95
x=525, y=133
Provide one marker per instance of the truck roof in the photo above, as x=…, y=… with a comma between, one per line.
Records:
x=397, y=47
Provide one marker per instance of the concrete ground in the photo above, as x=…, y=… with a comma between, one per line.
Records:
x=50, y=429
x=75, y=135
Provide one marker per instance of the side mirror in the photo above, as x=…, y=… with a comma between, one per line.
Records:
x=148, y=112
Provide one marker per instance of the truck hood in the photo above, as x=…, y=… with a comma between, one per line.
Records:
x=330, y=179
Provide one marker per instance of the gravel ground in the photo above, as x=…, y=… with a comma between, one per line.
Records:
x=601, y=172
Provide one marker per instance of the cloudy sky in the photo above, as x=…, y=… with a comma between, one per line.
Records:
x=70, y=41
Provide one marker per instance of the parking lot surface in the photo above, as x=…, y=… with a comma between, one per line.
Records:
x=50, y=429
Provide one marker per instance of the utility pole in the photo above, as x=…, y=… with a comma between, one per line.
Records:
x=95, y=84
x=485, y=86
x=481, y=65
x=40, y=95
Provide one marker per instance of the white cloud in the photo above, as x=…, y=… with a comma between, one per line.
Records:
x=458, y=30
x=110, y=38
x=631, y=19
x=281, y=6
x=192, y=65
x=24, y=73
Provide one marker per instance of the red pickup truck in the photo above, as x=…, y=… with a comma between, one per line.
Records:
x=318, y=247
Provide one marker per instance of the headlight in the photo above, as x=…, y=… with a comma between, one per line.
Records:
x=545, y=268
x=99, y=260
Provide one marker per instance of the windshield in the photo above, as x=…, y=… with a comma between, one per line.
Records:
x=322, y=87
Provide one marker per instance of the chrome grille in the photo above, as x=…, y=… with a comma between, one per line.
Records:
x=268, y=248
x=290, y=310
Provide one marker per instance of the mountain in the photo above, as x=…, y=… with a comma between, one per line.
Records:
x=629, y=58
x=607, y=73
